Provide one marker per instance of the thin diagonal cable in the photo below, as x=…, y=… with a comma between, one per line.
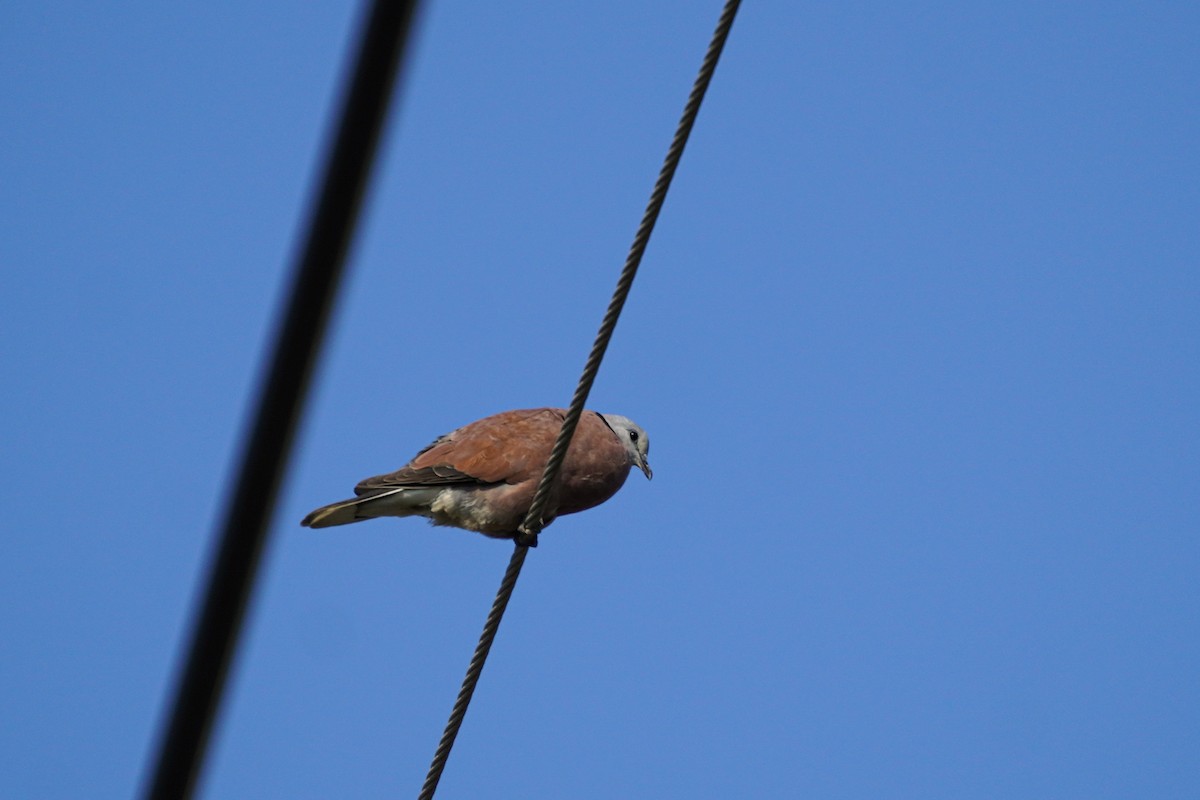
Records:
x=317, y=271
x=532, y=524
x=473, y=671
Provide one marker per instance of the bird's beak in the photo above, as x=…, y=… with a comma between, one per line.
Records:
x=644, y=466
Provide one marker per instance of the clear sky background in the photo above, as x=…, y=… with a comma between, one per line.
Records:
x=917, y=342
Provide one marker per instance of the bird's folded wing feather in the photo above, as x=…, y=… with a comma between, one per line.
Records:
x=506, y=448
x=407, y=476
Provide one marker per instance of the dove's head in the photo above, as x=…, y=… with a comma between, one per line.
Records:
x=636, y=442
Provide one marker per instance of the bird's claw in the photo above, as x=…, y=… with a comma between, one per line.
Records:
x=527, y=535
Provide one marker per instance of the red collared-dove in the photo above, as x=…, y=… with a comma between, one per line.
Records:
x=482, y=477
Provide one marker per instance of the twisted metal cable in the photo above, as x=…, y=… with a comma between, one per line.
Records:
x=533, y=523
x=286, y=376
x=473, y=671
x=526, y=537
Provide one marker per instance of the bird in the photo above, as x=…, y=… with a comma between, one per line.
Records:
x=483, y=476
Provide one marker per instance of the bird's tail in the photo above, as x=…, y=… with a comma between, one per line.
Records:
x=397, y=502
x=342, y=513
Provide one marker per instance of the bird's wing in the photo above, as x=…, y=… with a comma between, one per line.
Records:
x=510, y=447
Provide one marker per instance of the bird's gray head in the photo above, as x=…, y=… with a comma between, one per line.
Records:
x=636, y=442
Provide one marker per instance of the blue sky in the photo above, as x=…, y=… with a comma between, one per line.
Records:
x=916, y=342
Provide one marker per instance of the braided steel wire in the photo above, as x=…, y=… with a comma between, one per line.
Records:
x=473, y=671
x=526, y=537
x=533, y=523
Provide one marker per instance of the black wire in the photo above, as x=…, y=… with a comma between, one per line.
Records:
x=527, y=537
x=316, y=275
x=533, y=524
x=473, y=671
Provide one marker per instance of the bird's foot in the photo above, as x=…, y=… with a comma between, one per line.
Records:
x=525, y=538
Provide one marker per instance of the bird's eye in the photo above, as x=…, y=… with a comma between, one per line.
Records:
x=633, y=436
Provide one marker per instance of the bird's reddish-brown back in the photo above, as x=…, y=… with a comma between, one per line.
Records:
x=512, y=447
